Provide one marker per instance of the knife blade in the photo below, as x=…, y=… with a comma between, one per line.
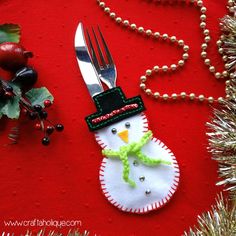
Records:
x=87, y=69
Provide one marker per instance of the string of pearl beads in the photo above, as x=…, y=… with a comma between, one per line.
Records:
x=180, y=63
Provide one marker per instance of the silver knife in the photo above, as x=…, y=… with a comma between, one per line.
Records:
x=87, y=69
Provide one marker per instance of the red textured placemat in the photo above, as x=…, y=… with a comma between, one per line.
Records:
x=61, y=181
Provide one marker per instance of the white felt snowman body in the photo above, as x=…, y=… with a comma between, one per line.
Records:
x=154, y=185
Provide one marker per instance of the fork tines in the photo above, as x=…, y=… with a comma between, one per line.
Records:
x=99, y=49
x=101, y=58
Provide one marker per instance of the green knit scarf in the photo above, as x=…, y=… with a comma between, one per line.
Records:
x=134, y=148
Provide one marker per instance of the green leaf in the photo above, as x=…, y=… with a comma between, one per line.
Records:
x=11, y=107
x=38, y=96
x=16, y=88
x=9, y=33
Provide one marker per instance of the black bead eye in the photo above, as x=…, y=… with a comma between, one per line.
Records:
x=114, y=131
x=127, y=125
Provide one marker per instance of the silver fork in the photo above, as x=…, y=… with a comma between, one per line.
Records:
x=106, y=68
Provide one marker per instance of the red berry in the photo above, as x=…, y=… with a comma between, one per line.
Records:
x=25, y=111
x=13, y=56
x=38, y=126
x=47, y=103
x=8, y=95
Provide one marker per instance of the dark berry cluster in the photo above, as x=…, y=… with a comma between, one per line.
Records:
x=13, y=58
x=37, y=112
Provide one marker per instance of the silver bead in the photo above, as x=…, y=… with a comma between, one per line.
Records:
x=173, y=67
x=203, y=17
x=148, y=91
x=148, y=72
x=206, y=32
x=181, y=42
x=148, y=192
x=156, y=95
x=212, y=69
x=156, y=68
x=143, y=78
x=221, y=50
x=142, y=178
x=142, y=86
x=210, y=99
x=102, y=4
x=112, y=15
x=225, y=73
x=225, y=58
x=204, y=46
x=156, y=34
x=217, y=75
x=219, y=43
x=227, y=82
x=165, y=36
x=220, y=100
x=173, y=39
x=203, y=9
x=201, y=98
x=165, y=97
x=227, y=66
x=174, y=96
x=165, y=68
x=192, y=96
x=199, y=3
x=207, y=39
x=186, y=48
x=135, y=163
x=202, y=25
x=207, y=61
x=185, y=56
x=126, y=23
x=183, y=95
x=118, y=19
x=180, y=62
x=133, y=26
x=148, y=32
x=140, y=29
x=107, y=9
x=204, y=54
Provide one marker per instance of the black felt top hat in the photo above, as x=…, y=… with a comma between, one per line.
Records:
x=112, y=106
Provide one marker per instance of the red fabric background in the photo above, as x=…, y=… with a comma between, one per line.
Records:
x=61, y=181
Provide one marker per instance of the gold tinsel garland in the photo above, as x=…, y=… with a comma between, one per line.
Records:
x=221, y=220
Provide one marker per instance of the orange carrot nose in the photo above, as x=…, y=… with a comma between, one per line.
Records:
x=124, y=135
